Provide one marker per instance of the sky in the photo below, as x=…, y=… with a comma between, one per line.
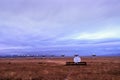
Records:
x=51, y=23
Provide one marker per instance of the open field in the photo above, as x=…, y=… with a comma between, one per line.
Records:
x=99, y=68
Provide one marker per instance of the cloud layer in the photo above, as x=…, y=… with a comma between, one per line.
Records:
x=39, y=23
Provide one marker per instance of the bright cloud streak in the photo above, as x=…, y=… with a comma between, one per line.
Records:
x=98, y=35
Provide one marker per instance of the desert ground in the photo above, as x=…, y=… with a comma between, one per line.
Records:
x=98, y=68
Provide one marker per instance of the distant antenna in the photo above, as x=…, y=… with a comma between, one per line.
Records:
x=63, y=56
x=93, y=54
x=43, y=56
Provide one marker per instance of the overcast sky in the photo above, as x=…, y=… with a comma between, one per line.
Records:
x=37, y=23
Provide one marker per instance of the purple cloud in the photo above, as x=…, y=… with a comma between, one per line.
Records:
x=51, y=22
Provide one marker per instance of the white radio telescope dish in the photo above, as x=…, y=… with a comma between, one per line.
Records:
x=77, y=59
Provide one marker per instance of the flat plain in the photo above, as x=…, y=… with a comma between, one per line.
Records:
x=98, y=68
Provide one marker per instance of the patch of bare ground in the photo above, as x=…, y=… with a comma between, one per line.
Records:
x=98, y=68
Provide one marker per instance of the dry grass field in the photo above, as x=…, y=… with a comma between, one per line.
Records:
x=99, y=68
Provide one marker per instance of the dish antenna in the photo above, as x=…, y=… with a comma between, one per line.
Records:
x=93, y=54
x=77, y=59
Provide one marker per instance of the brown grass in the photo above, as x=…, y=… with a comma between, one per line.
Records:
x=99, y=68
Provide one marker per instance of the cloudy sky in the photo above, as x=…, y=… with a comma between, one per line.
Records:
x=42, y=23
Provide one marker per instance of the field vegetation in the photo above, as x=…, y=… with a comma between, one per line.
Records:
x=98, y=68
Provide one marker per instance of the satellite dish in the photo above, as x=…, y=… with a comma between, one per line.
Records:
x=93, y=54
x=77, y=59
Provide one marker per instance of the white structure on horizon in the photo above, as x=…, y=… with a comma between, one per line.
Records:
x=93, y=54
x=77, y=59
